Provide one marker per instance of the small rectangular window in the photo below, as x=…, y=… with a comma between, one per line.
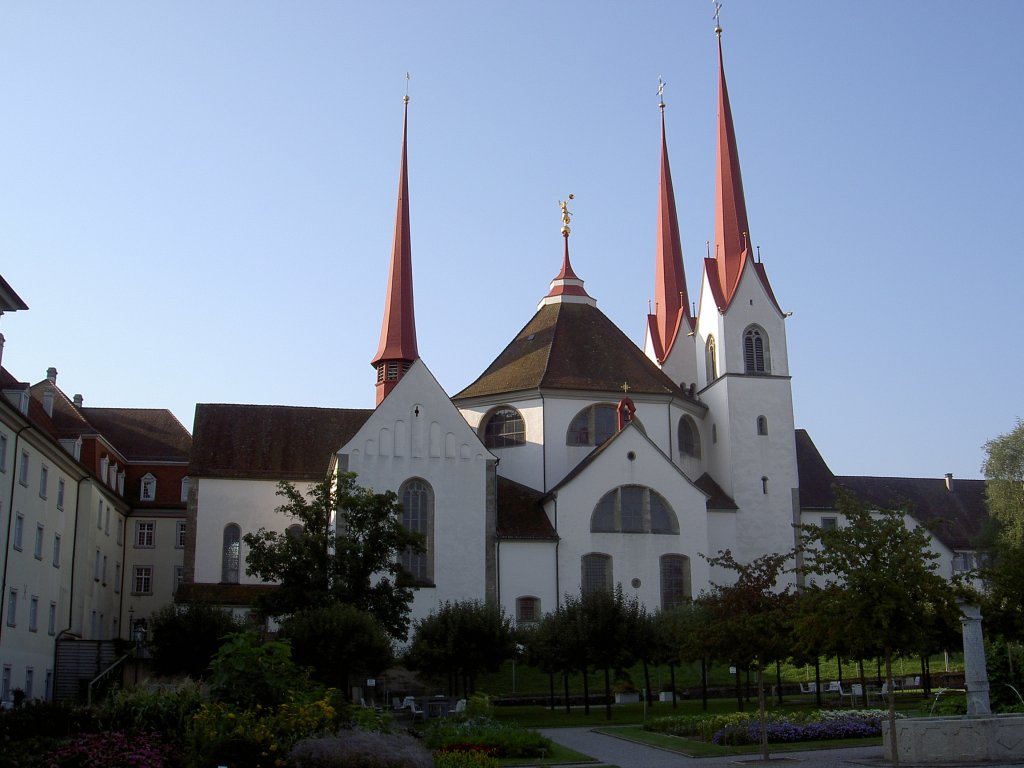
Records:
x=185, y=482
x=99, y=515
x=12, y=607
x=60, y=493
x=38, y=549
x=3, y=452
x=829, y=523
x=51, y=621
x=106, y=522
x=56, y=550
x=23, y=469
x=96, y=566
x=117, y=577
x=104, y=570
x=33, y=614
x=120, y=530
x=19, y=530
x=143, y=581
x=44, y=477
x=179, y=576
x=179, y=539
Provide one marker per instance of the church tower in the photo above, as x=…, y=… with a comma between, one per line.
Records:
x=397, y=350
x=743, y=366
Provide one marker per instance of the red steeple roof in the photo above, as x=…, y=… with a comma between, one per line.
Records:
x=397, y=349
x=732, y=233
x=670, y=297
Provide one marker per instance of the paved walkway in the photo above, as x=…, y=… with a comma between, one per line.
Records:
x=628, y=754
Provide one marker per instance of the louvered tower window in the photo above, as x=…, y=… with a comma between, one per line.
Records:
x=755, y=351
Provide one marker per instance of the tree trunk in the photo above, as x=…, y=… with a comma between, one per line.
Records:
x=565, y=679
x=863, y=683
x=778, y=681
x=762, y=714
x=892, y=709
x=551, y=685
x=839, y=668
x=817, y=681
x=739, y=691
x=672, y=680
x=704, y=683
x=586, y=691
x=647, y=683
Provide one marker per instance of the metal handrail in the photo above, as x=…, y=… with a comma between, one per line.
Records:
x=101, y=675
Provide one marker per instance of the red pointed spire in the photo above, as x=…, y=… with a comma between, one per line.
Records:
x=397, y=349
x=671, y=303
x=732, y=234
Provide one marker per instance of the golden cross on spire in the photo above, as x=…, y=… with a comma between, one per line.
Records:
x=718, y=12
x=625, y=387
x=661, y=94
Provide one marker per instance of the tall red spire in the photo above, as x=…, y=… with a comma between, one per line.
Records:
x=397, y=349
x=671, y=302
x=732, y=234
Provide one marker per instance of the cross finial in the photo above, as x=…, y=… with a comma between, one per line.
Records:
x=661, y=94
x=718, y=12
x=566, y=215
x=407, y=78
x=625, y=386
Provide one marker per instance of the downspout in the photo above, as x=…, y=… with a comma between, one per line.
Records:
x=10, y=523
x=558, y=541
x=543, y=445
x=668, y=409
x=124, y=567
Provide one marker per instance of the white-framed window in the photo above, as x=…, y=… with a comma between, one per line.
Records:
x=179, y=534
x=23, y=469
x=185, y=484
x=231, y=552
x=12, y=607
x=504, y=428
x=144, y=534
x=104, y=571
x=527, y=610
x=179, y=576
x=147, y=488
x=19, y=530
x=106, y=521
x=596, y=572
x=3, y=452
x=33, y=613
x=418, y=516
x=104, y=466
x=829, y=523
x=96, y=565
x=99, y=515
x=30, y=676
x=56, y=550
x=117, y=578
x=675, y=581
x=37, y=550
x=44, y=479
x=633, y=509
x=142, y=582
x=51, y=619
x=120, y=483
x=120, y=529
x=60, y=493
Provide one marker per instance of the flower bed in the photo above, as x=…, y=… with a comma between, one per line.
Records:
x=485, y=735
x=742, y=728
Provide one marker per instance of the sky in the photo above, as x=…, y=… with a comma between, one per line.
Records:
x=197, y=199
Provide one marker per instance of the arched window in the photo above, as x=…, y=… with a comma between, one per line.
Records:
x=675, y=581
x=597, y=572
x=231, y=554
x=503, y=428
x=633, y=509
x=762, y=425
x=689, y=437
x=527, y=610
x=418, y=515
x=711, y=359
x=593, y=425
x=755, y=351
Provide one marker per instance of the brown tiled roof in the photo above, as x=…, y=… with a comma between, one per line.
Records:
x=571, y=346
x=717, y=498
x=272, y=442
x=142, y=434
x=520, y=515
x=222, y=594
x=955, y=516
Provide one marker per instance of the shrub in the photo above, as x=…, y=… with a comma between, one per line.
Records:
x=743, y=728
x=360, y=749
x=166, y=710
x=505, y=739
x=247, y=672
x=104, y=750
x=185, y=638
x=452, y=757
x=368, y=719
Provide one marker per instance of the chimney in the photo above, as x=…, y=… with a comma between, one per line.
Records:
x=48, y=400
x=51, y=375
x=78, y=401
x=949, y=481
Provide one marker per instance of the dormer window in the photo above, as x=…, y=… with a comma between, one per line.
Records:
x=104, y=466
x=185, y=482
x=147, y=489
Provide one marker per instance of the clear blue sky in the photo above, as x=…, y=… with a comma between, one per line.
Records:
x=197, y=199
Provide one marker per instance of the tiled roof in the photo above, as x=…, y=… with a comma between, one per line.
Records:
x=571, y=346
x=955, y=516
x=221, y=594
x=9, y=300
x=142, y=434
x=520, y=515
x=273, y=442
x=717, y=498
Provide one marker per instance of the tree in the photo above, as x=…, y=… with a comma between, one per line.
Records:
x=460, y=640
x=337, y=641
x=357, y=564
x=1003, y=568
x=246, y=671
x=891, y=596
x=185, y=638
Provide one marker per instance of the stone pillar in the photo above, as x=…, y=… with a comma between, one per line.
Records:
x=975, y=672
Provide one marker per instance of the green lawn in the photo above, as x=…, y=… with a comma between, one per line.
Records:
x=691, y=748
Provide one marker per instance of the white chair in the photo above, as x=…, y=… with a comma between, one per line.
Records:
x=809, y=689
x=459, y=708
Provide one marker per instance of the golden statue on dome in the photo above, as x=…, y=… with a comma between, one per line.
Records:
x=566, y=215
